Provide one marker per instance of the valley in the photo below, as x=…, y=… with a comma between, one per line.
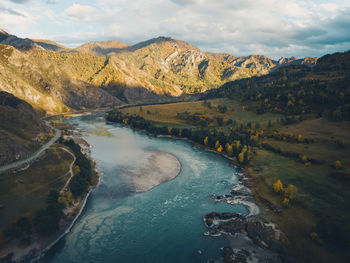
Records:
x=119, y=115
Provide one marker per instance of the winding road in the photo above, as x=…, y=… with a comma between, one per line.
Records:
x=33, y=156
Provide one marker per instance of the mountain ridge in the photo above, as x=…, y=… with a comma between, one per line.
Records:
x=110, y=73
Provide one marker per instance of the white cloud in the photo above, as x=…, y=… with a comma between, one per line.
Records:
x=241, y=27
x=82, y=12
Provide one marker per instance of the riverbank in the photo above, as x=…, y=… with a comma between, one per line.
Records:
x=37, y=245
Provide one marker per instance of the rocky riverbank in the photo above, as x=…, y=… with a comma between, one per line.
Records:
x=252, y=238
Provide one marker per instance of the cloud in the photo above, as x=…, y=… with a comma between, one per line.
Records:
x=10, y=11
x=82, y=12
x=270, y=27
x=19, y=1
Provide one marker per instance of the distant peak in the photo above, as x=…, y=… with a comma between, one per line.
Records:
x=3, y=32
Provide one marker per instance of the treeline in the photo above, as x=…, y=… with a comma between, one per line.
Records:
x=298, y=89
x=237, y=143
x=81, y=181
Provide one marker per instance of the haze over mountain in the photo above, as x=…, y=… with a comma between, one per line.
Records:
x=55, y=78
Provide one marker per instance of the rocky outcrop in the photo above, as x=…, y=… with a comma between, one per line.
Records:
x=251, y=238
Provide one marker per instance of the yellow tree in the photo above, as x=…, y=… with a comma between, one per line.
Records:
x=229, y=149
x=278, y=186
x=241, y=157
x=76, y=169
x=285, y=202
x=220, y=148
x=337, y=164
x=217, y=144
x=206, y=140
x=291, y=192
x=300, y=137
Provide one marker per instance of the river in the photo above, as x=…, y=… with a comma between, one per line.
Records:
x=163, y=224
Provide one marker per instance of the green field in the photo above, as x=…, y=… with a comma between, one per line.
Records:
x=25, y=192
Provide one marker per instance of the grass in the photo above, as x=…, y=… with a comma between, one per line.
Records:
x=319, y=194
x=166, y=114
x=25, y=192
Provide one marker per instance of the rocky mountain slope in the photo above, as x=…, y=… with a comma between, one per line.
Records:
x=102, y=74
x=20, y=127
x=185, y=68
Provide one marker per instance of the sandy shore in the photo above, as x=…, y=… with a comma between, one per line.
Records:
x=160, y=167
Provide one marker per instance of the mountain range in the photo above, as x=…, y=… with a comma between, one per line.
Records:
x=56, y=79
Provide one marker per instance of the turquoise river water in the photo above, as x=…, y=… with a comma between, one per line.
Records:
x=163, y=224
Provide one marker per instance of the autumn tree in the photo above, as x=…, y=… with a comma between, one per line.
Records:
x=219, y=149
x=300, y=138
x=285, y=202
x=217, y=144
x=206, y=141
x=278, y=186
x=337, y=164
x=291, y=192
x=229, y=149
x=241, y=157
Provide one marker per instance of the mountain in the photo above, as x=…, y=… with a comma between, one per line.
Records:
x=20, y=126
x=52, y=81
x=103, y=74
x=19, y=43
x=102, y=48
x=50, y=45
x=175, y=63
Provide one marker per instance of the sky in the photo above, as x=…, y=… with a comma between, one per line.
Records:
x=274, y=28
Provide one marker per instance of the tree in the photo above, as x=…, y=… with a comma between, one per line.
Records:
x=337, y=164
x=303, y=158
x=300, y=137
x=76, y=169
x=206, y=141
x=217, y=144
x=285, y=202
x=229, y=149
x=291, y=192
x=278, y=186
x=219, y=149
x=241, y=157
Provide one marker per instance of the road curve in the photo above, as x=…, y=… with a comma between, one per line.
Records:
x=33, y=156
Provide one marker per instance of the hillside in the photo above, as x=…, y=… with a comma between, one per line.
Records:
x=20, y=128
x=323, y=89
